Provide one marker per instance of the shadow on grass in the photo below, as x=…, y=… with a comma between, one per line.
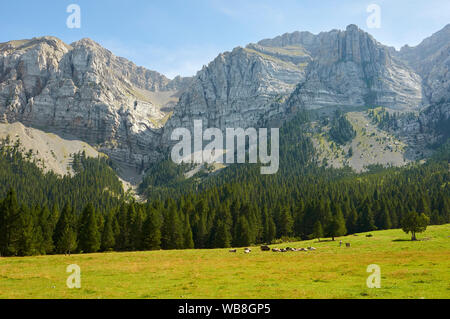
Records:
x=417, y=240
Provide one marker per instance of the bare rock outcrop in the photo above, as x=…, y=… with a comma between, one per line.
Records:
x=84, y=91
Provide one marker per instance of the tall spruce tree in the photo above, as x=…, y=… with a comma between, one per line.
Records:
x=243, y=236
x=136, y=229
x=10, y=224
x=123, y=233
x=318, y=231
x=67, y=243
x=108, y=240
x=152, y=230
x=337, y=226
x=188, y=241
x=27, y=242
x=272, y=231
x=172, y=230
x=65, y=234
x=286, y=223
x=46, y=226
x=366, y=219
x=89, y=235
x=352, y=222
x=200, y=228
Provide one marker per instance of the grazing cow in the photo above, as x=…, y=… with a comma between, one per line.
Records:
x=233, y=250
x=311, y=248
x=290, y=249
x=276, y=250
x=265, y=248
x=347, y=245
x=283, y=250
x=247, y=251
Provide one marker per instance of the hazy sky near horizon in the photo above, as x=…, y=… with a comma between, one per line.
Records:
x=178, y=37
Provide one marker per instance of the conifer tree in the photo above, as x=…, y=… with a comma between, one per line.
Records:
x=286, y=223
x=65, y=235
x=272, y=231
x=108, y=240
x=172, y=231
x=222, y=235
x=152, y=230
x=9, y=225
x=318, y=230
x=123, y=233
x=265, y=215
x=385, y=219
x=26, y=245
x=337, y=226
x=366, y=220
x=89, y=235
x=46, y=226
x=352, y=222
x=136, y=229
x=188, y=241
x=243, y=233
x=67, y=243
x=200, y=228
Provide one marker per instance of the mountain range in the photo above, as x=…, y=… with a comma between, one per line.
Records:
x=84, y=92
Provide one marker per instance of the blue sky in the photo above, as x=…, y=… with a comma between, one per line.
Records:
x=180, y=36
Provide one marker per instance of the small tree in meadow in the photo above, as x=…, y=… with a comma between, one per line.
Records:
x=415, y=223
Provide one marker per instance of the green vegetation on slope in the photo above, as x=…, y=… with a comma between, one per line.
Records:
x=94, y=180
x=341, y=130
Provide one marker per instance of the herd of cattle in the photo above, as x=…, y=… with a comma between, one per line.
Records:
x=275, y=250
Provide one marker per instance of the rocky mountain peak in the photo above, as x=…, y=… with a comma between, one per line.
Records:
x=28, y=44
x=87, y=42
x=84, y=91
x=431, y=59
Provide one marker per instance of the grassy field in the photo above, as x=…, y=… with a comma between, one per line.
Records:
x=408, y=270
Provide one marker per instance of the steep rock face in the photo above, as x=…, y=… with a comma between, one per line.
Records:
x=82, y=90
x=431, y=59
x=350, y=68
x=241, y=88
x=252, y=85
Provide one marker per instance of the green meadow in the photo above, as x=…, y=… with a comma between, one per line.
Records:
x=409, y=269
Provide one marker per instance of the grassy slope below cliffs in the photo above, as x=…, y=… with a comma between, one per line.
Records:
x=408, y=270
